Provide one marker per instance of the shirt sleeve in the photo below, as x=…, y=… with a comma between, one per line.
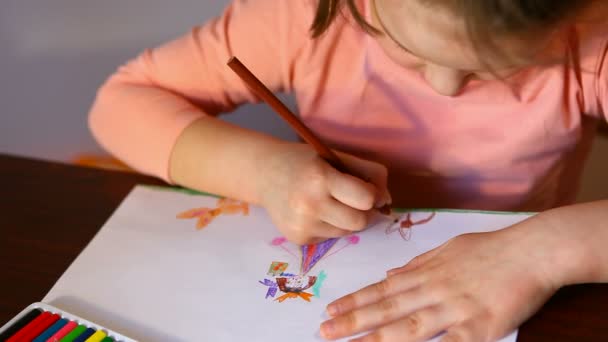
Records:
x=141, y=110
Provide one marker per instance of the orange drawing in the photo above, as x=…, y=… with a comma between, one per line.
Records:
x=294, y=287
x=304, y=295
x=205, y=216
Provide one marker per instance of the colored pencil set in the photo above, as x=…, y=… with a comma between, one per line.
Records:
x=43, y=323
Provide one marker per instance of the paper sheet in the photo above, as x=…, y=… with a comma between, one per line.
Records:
x=154, y=277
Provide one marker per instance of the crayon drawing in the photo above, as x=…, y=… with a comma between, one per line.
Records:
x=277, y=268
x=297, y=285
x=405, y=225
x=205, y=216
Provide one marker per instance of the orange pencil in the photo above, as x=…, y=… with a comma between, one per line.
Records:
x=302, y=130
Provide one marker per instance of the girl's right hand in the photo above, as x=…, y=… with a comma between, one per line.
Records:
x=310, y=201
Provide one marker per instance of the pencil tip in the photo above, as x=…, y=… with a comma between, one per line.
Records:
x=386, y=210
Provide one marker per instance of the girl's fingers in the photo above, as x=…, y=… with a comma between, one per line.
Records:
x=350, y=190
x=419, y=326
x=342, y=216
x=407, y=306
x=324, y=230
x=374, y=293
x=373, y=172
x=312, y=232
x=470, y=330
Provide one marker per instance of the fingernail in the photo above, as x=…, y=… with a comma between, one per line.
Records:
x=327, y=329
x=379, y=203
x=387, y=197
x=332, y=310
x=383, y=199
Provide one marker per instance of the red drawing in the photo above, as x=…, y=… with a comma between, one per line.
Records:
x=405, y=227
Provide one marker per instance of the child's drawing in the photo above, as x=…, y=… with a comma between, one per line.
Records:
x=296, y=285
x=293, y=286
x=405, y=227
x=272, y=287
x=312, y=254
x=276, y=268
x=205, y=216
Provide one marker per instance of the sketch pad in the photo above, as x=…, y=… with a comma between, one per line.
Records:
x=156, y=277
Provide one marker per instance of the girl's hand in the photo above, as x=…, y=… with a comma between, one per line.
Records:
x=475, y=287
x=309, y=201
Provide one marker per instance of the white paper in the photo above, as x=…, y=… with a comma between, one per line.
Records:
x=153, y=277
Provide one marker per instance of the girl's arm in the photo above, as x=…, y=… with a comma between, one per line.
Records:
x=222, y=158
x=585, y=241
x=158, y=115
x=143, y=108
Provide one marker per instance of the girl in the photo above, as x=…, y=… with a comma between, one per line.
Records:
x=465, y=104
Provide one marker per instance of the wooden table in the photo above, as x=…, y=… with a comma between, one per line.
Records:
x=50, y=211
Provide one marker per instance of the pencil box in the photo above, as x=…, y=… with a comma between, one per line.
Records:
x=41, y=322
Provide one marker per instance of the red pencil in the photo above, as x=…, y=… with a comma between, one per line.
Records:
x=29, y=327
x=40, y=328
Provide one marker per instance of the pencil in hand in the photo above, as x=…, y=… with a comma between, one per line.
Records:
x=301, y=129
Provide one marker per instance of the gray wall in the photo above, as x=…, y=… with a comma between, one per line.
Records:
x=55, y=54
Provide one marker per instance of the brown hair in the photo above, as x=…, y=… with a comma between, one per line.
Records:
x=485, y=19
x=327, y=10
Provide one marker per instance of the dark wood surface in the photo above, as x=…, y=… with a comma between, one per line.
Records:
x=50, y=211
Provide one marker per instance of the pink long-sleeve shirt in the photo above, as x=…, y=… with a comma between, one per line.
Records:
x=516, y=145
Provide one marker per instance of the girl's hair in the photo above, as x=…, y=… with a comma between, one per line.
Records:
x=485, y=19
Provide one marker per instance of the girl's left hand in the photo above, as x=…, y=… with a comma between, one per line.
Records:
x=475, y=287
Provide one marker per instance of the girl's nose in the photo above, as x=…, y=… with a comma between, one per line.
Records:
x=445, y=81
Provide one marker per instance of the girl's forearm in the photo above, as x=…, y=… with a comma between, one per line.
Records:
x=215, y=156
x=583, y=230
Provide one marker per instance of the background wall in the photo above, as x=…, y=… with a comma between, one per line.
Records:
x=55, y=54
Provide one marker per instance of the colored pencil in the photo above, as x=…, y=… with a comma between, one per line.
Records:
x=53, y=329
x=71, y=325
x=74, y=334
x=40, y=328
x=85, y=335
x=31, y=325
x=97, y=336
x=17, y=326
